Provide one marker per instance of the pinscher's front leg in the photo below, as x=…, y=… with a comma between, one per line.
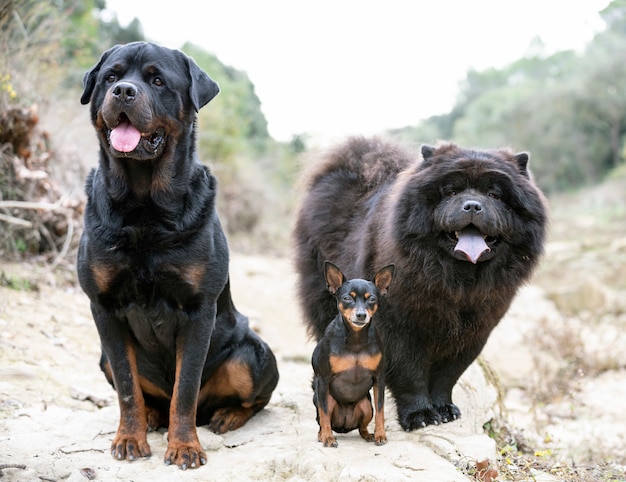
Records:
x=325, y=406
x=380, y=436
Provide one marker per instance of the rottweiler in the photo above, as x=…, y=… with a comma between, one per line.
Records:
x=154, y=261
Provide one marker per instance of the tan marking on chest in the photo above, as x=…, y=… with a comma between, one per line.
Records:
x=191, y=274
x=340, y=364
x=103, y=275
x=231, y=378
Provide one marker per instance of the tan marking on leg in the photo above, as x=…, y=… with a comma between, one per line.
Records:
x=380, y=436
x=363, y=412
x=130, y=440
x=325, y=434
x=232, y=378
x=183, y=446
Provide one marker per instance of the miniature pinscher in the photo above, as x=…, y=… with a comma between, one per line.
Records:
x=348, y=360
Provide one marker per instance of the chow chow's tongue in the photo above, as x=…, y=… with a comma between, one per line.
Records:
x=125, y=137
x=472, y=244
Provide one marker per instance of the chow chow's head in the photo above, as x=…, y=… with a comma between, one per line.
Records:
x=474, y=206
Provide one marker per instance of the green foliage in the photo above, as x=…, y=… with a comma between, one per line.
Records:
x=46, y=47
x=255, y=172
x=233, y=122
x=567, y=110
x=16, y=283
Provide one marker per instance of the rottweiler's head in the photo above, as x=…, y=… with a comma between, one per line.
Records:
x=144, y=97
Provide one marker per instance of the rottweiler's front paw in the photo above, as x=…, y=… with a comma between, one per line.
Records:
x=187, y=455
x=129, y=447
x=419, y=419
x=449, y=412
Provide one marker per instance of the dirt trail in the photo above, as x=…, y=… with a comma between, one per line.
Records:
x=58, y=415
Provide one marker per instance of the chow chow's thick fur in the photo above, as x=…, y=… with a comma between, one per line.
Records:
x=465, y=229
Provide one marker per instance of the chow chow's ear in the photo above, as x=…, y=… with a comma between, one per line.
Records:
x=334, y=277
x=89, y=79
x=522, y=163
x=427, y=153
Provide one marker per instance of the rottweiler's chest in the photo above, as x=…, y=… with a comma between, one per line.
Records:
x=148, y=283
x=146, y=263
x=155, y=301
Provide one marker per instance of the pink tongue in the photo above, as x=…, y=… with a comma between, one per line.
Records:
x=125, y=137
x=472, y=244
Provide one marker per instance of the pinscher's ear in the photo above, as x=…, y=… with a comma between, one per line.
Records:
x=334, y=277
x=383, y=278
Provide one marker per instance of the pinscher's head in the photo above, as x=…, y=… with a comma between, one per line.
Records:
x=357, y=299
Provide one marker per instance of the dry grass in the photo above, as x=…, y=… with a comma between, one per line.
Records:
x=583, y=274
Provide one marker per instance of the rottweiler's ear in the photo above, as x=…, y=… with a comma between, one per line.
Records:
x=202, y=88
x=383, y=278
x=89, y=79
x=334, y=277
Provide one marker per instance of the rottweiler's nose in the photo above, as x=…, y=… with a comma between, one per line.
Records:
x=125, y=91
x=361, y=315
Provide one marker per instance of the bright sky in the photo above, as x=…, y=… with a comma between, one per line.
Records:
x=330, y=68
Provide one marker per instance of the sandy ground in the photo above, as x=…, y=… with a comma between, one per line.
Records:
x=58, y=415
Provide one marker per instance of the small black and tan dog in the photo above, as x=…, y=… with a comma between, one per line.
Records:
x=348, y=361
x=153, y=260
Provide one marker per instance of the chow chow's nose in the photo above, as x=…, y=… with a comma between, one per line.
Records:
x=472, y=206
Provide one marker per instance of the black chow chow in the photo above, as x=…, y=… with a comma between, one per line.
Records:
x=465, y=229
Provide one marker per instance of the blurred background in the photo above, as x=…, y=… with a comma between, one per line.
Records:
x=330, y=69
x=544, y=77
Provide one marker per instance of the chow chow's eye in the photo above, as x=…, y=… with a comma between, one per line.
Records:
x=158, y=81
x=451, y=193
x=494, y=195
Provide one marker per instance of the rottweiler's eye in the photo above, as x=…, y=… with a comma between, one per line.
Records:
x=158, y=81
x=347, y=299
x=372, y=300
x=111, y=78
